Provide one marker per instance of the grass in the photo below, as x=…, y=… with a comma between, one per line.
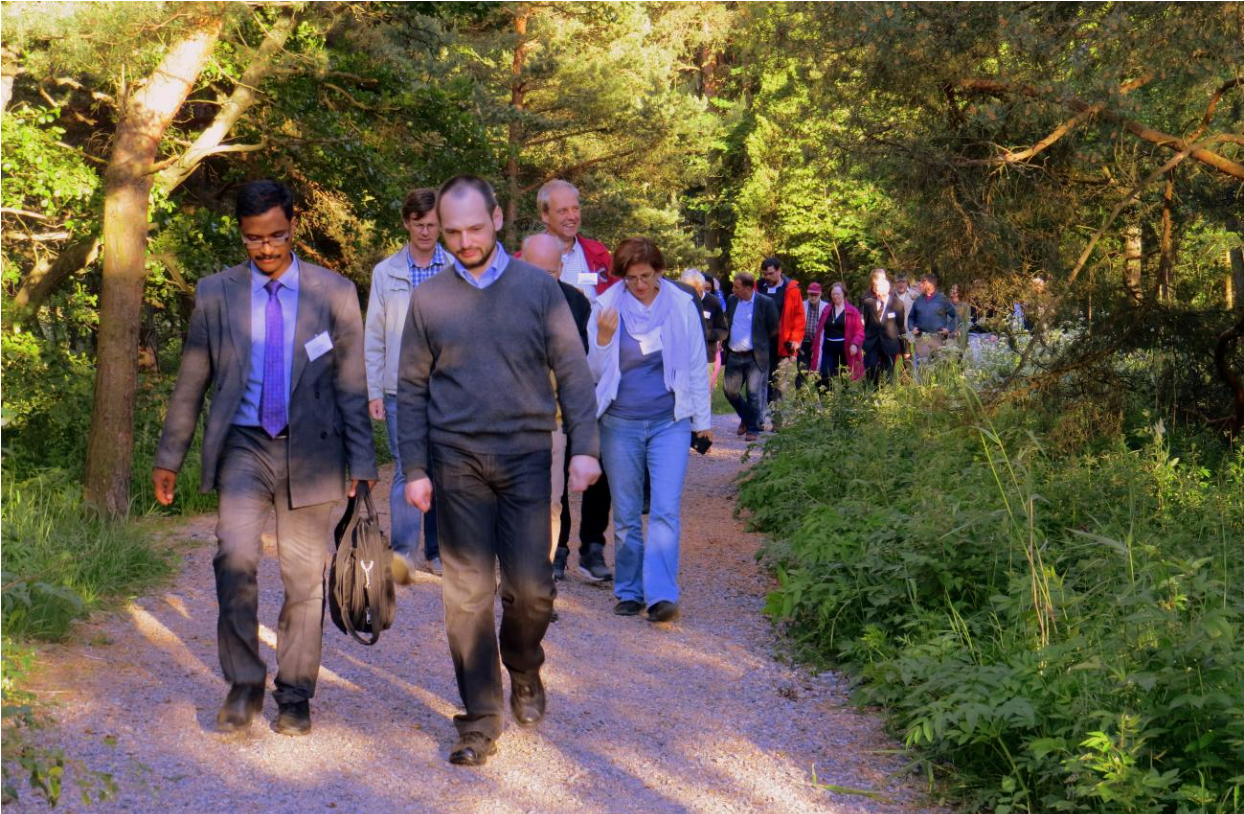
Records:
x=1049, y=611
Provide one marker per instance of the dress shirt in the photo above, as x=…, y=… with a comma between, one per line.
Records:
x=420, y=273
x=741, y=327
x=287, y=295
x=499, y=262
x=574, y=263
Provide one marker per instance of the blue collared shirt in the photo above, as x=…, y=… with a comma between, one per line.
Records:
x=420, y=274
x=499, y=262
x=741, y=328
x=287, y=295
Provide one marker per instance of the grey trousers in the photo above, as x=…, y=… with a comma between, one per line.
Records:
x=252, y=481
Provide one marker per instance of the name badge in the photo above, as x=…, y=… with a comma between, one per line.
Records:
x=588, y=278
x=706, y=315
x=319, y=346
x=892, y=315
x=650, y=342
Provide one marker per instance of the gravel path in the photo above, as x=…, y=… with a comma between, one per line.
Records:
x=697, y=717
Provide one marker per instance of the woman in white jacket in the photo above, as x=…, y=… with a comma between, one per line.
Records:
x=646, y=352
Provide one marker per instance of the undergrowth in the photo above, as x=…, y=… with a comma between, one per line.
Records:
x=1047, y=603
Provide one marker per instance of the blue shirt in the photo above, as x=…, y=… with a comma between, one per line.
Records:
x=287, y=295
x=642, y=394
x=741, y=327
x=418, y=273
x=499, y=262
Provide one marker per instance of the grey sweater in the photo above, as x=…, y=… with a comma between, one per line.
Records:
x=475, y=363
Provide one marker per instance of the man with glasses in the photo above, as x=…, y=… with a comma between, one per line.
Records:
x=392, y=281
x=280, y=344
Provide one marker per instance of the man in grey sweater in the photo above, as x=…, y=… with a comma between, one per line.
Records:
x=475, y=397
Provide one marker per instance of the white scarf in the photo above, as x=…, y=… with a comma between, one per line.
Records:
x=663, y=315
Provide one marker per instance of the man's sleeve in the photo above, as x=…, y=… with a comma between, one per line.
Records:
x=576, y=391
x=771, y=314
x=718, y=329
x=374, y=340
x=351, y=383
x=952, y=316
x=193, y=378
x=414, y=369
x=911, y=315
x=794, y=319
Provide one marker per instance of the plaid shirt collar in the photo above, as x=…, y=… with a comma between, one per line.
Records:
x=420, y=274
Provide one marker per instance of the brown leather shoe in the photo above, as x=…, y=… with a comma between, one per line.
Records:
x=742, y=427
x=473, y=749
x=527, y=700
x=293, y=719
x=243, y=703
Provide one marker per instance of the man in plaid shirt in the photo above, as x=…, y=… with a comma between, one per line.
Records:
x=392, y=281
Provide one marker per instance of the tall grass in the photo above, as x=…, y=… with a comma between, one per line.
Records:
x=1048, y=605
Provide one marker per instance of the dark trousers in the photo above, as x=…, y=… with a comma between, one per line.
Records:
x=833, y=359
x=742, y=370
x=493, y=508
x=803, y=361
x=253, y=480
x=772, y=392
x=593, y=516
x=878, y=362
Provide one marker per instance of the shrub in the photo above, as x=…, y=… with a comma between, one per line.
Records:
x=1054, y=620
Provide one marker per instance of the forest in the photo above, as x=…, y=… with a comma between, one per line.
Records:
x=1085, y=160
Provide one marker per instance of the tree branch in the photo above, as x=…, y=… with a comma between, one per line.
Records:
x=47, y=276
x=1213, y=104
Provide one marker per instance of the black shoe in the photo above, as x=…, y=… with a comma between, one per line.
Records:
x=559, y=563
x=592, y=564
x=243, y=703
x=527, y=700
x=473, y=749
x=663, y=611
x=627, y=607
x=293, y=719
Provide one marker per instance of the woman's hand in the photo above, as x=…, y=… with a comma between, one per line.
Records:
x=855, y=350
x=705, y=434
x=606, y=326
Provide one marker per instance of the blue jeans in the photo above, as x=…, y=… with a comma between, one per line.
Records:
x=741, y=368
x=646, y=572
x=404, y=535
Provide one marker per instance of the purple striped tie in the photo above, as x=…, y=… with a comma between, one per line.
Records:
x=272, y=398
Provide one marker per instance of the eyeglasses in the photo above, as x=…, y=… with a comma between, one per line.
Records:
x=646, y=279
x=279, y=239
x=424, y=227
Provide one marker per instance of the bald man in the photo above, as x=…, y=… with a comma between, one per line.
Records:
x=545, y=251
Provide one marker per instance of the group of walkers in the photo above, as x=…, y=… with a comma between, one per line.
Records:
x=506, y=382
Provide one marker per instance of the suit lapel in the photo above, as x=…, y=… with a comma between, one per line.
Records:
x=238, y=314
x=310, y=304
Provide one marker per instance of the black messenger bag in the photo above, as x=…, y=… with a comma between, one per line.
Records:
x=361, y=597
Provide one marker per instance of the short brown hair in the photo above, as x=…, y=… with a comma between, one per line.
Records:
x=746, y=278
x=418, y=203
x=635, y=250
x=470, y=182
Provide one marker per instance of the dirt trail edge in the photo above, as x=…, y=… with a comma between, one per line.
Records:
x=699, y=716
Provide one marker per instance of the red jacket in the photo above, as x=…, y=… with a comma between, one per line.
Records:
x=598, y=260
x=791, y=320
x=853, y=325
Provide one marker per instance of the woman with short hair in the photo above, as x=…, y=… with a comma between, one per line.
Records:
x=646, y=352
x=839, y=338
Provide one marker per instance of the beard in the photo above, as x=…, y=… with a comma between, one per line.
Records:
x=482, y=262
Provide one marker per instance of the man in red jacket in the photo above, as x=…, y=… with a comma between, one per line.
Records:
x=585, y=265
x=791, y=323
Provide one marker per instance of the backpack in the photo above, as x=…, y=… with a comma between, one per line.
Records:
x=361, y=596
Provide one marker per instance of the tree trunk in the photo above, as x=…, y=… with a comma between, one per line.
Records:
x=1166, y=262
x=9, y=69
x=1236, y=258
x=242, y=97
x=1134, y=260
x=127, y=188
x=514, y=143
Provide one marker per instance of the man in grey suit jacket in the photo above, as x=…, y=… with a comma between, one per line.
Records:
x=753, y=320
x=280, y=343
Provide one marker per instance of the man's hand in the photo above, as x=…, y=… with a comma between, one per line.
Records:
x=945, y=332
x=375, y=409
x=915, y=331
x=791, y=347
x=164, y=480
x=584, y=471
x=354, y=487
x=419, y=494
x=606, y=326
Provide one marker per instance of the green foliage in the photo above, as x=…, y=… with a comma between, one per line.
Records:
x=1054, y=622
x=60, y=561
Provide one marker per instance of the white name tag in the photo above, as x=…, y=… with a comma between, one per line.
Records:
x=892, y=315
x=588, y=278
x=706, y=315
x=650, y=342
x=319, y=346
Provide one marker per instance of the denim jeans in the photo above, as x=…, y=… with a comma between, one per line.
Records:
x=405, y=518
x=741, y=369
x=646, y=571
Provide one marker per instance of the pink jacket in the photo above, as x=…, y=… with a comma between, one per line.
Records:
x=854, y=325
